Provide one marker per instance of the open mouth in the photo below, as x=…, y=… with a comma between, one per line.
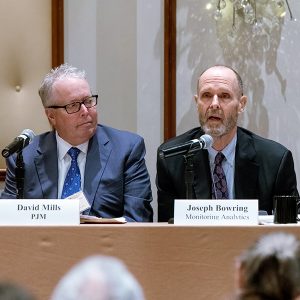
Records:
x=214, y=118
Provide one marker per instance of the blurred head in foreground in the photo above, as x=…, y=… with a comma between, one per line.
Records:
x=98, y=278
x=270, y=269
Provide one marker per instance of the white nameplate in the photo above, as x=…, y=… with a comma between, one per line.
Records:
x=39, y=212
x=216, y=212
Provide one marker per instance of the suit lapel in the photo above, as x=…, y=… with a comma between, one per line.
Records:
x=96, y=161
x=246, y=171
x=246, y=168
x=46, y=166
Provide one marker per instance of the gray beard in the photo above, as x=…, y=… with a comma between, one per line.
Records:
x=214, y=131
x=219, y=131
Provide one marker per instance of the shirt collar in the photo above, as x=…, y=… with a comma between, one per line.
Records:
x=228, y=151
x=63, y=147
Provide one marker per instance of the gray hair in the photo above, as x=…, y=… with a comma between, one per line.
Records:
x=98, y=278
x=62, y=72
x=271, y=267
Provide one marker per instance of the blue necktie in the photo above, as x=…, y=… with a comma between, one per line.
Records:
x=73, y=179
x=219, y=184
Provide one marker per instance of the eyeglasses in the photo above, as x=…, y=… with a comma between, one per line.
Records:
x=74, y=107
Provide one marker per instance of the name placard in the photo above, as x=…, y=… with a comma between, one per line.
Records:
x=216, y=212
x=39, y=212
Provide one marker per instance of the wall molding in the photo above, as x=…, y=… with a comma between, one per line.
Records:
x=169, y=68
x=57, y=16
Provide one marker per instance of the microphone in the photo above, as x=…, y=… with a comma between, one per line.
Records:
x=19, y=143
x=204, y=142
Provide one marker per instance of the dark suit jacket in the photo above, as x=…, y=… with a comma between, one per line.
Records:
x=263, y=168
x=116, y=179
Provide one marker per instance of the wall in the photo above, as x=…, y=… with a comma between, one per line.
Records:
x=25, y=57
x=119, y=43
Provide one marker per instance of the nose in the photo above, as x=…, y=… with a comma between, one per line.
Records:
x=83, y=109
x=215, y=104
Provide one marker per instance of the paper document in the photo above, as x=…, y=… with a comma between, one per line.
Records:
x=83, y=202
x=86, y=219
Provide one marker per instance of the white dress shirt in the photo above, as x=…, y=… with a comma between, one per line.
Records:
x=64, y=161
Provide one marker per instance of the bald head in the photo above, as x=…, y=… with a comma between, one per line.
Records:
x=221, y=71
x=219, y=102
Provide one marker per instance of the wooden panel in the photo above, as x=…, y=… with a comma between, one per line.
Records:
x=170, y=262
x=57, y=32
x=2, y=174
x=169, y=69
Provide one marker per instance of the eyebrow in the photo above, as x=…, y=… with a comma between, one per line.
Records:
x=222, y=90
x=78, y=100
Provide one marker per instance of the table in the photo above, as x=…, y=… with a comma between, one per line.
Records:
x=170, y=262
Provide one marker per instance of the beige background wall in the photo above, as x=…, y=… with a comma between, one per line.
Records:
x=25, y=56
x=120, y=45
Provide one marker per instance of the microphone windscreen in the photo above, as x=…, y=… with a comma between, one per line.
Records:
x=29, y=133
x=208, y=140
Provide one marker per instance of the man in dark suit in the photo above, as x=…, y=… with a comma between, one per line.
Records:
x=111, y=168
x=254, y=167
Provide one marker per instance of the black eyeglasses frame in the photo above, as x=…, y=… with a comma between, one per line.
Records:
x=76, y=102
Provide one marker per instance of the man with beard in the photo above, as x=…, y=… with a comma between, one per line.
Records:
x=239, y=165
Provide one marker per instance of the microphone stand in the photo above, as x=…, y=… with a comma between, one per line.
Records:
x=20, y=175
x=188, y=177
x=189, y=174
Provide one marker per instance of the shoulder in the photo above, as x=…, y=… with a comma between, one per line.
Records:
x=260, y=143
x=116, y=135
x=182, y=138
x=42, y=141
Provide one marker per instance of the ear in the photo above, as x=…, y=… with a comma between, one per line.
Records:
x=242, y=104
x=196, y=98
x=51, y=116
